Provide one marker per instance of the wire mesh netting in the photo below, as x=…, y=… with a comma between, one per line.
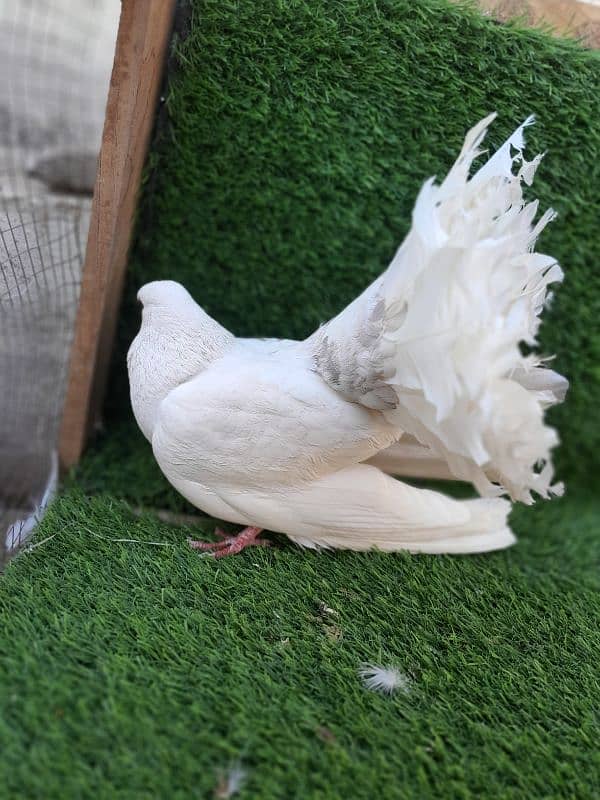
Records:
x=55, y=62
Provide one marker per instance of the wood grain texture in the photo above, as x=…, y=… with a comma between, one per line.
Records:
x=566, y=17
x=142, y=42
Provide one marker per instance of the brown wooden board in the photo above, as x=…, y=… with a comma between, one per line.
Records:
x=142, y=43
x=566, y=17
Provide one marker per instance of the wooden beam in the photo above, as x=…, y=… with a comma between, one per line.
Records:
x=142, y=44
x=580, y=18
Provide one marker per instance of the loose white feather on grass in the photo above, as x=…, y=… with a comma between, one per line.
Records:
x=231, y=782
x=385, y=680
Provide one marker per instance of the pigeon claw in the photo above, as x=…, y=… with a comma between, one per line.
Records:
x=230, y=545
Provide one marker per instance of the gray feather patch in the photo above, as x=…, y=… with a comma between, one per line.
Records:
x=354, y=367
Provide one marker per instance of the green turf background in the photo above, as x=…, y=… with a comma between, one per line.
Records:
x=138, y=671
x=293, y=140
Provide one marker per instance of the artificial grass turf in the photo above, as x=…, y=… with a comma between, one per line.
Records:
x=137, y=671
x=294, y=139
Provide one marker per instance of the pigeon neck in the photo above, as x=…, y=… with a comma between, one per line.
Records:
x=167, y=352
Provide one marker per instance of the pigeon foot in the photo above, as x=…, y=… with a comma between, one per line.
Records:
x=230, y=545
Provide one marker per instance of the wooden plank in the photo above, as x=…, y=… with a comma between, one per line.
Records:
x=142, y=43
x=580, y=18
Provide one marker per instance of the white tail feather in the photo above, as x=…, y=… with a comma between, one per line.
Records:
x=435, y=342
x=476, y=293
x=408, y=457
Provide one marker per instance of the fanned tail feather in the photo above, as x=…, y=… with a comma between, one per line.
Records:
x=464, y=290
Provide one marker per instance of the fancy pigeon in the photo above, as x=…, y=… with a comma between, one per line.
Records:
x=424, y=371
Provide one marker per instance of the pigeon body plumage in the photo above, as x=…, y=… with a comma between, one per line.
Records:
x=422, y=374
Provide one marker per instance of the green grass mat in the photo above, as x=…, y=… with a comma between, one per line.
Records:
x=138, y=671
x=294, y=139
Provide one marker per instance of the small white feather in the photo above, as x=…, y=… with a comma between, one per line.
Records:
x=385, y=680
x=231, y=782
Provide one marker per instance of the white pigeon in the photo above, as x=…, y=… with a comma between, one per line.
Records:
x=298, y=437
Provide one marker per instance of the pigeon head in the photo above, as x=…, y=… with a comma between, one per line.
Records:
x=164, y=294
x=169, y=306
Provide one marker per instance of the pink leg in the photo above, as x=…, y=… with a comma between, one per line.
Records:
x=230, y=545
x=198, y=544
